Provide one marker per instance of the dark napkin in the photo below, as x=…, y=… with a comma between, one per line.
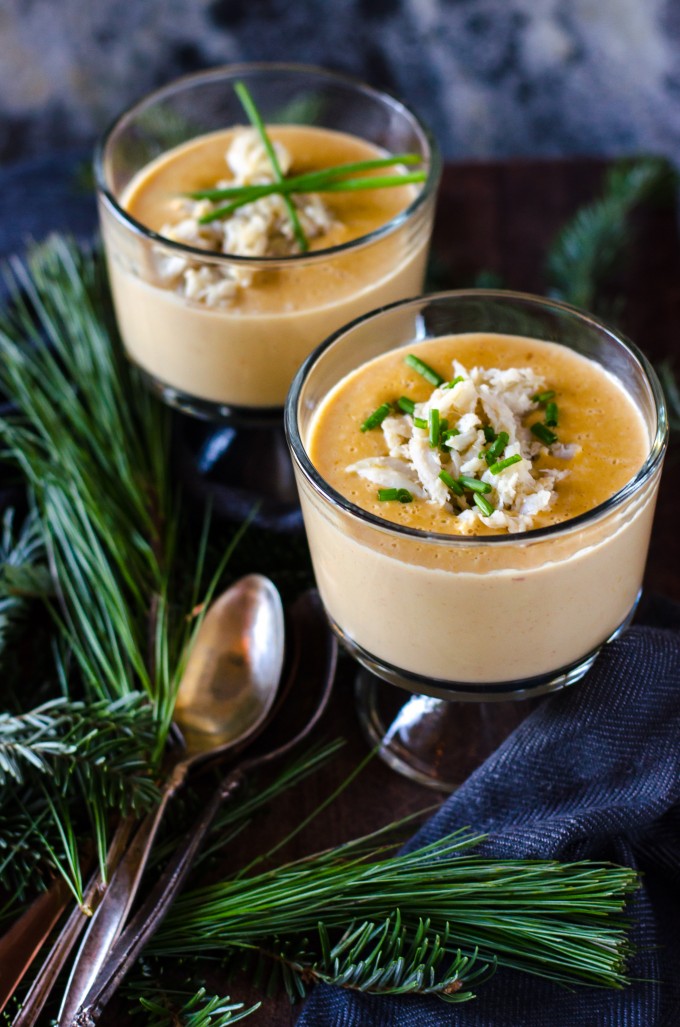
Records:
x=593, y=773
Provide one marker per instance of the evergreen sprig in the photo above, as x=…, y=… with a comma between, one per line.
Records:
x=65, y=767
x=591, y=246
x=188, y=1008
x=104, y=744
x=384, y=959
x=561, y=921
x=94, y=448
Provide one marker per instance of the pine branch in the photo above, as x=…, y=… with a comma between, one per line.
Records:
x=65, y=767
x=182, y=1008
x=561, y=921
x=380, y=959
x=93, y=446
x=591, y=246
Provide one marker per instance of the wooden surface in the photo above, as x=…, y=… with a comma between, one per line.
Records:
x=498, y=218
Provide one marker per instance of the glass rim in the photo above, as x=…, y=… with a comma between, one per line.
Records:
x=652, y=462
x=432, y=159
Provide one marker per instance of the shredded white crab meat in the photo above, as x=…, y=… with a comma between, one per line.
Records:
x=484, y=397
x=259, y=229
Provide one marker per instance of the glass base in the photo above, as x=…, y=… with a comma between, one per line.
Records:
x=234, y=458
x=432, y=741
x=436, y=741
x=210, y=410
x=240, y=471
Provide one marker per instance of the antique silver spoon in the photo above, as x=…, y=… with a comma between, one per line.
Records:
x=226, y=693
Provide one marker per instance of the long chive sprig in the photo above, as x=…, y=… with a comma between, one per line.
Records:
x=338, y=178
x=256, y=121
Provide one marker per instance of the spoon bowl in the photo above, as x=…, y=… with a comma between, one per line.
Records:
x=225, y=696
x=232, y=673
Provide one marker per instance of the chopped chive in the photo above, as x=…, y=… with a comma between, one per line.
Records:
x=406, y=404
x=433, y=427
x=502, y=464
x=551, y=415
x=543, y=397
x=484, y=505
x=400, y=495
x=474, y=484
x=428, y=373
x=375, y=419
x=450, y=433
x=454, y=381
x=489, y=433
x=497, y=448
x=419, y=422
x=451, y=483
x=542, y=432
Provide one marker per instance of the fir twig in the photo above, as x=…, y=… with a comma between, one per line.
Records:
x=381, y=959
x=591, y=246
x=672, y=390
x=556, y=920
x=188, y=1008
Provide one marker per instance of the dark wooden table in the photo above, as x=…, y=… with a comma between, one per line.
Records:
x=498, y=218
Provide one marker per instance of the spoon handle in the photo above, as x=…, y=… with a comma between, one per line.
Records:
x=317, y=670
x=68, y=936
x=147, y=919
x=108, y=920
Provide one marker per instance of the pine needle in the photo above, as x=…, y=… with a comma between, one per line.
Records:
x=93, y=446
x=561, y=921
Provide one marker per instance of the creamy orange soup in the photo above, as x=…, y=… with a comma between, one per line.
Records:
x=244, y=353
x=595, y=413
x=200, y=163
x=430, y=604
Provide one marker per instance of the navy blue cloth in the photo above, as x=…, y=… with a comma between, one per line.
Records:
x=593, y=773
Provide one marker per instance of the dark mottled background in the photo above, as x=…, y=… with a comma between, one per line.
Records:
x=492, y=77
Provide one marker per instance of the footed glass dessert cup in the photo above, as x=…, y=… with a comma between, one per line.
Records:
x=472, y=618
x=230, y=357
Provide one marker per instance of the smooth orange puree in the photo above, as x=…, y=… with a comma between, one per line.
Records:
x=244, y=351
x=199, y=164
x=595, y=413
